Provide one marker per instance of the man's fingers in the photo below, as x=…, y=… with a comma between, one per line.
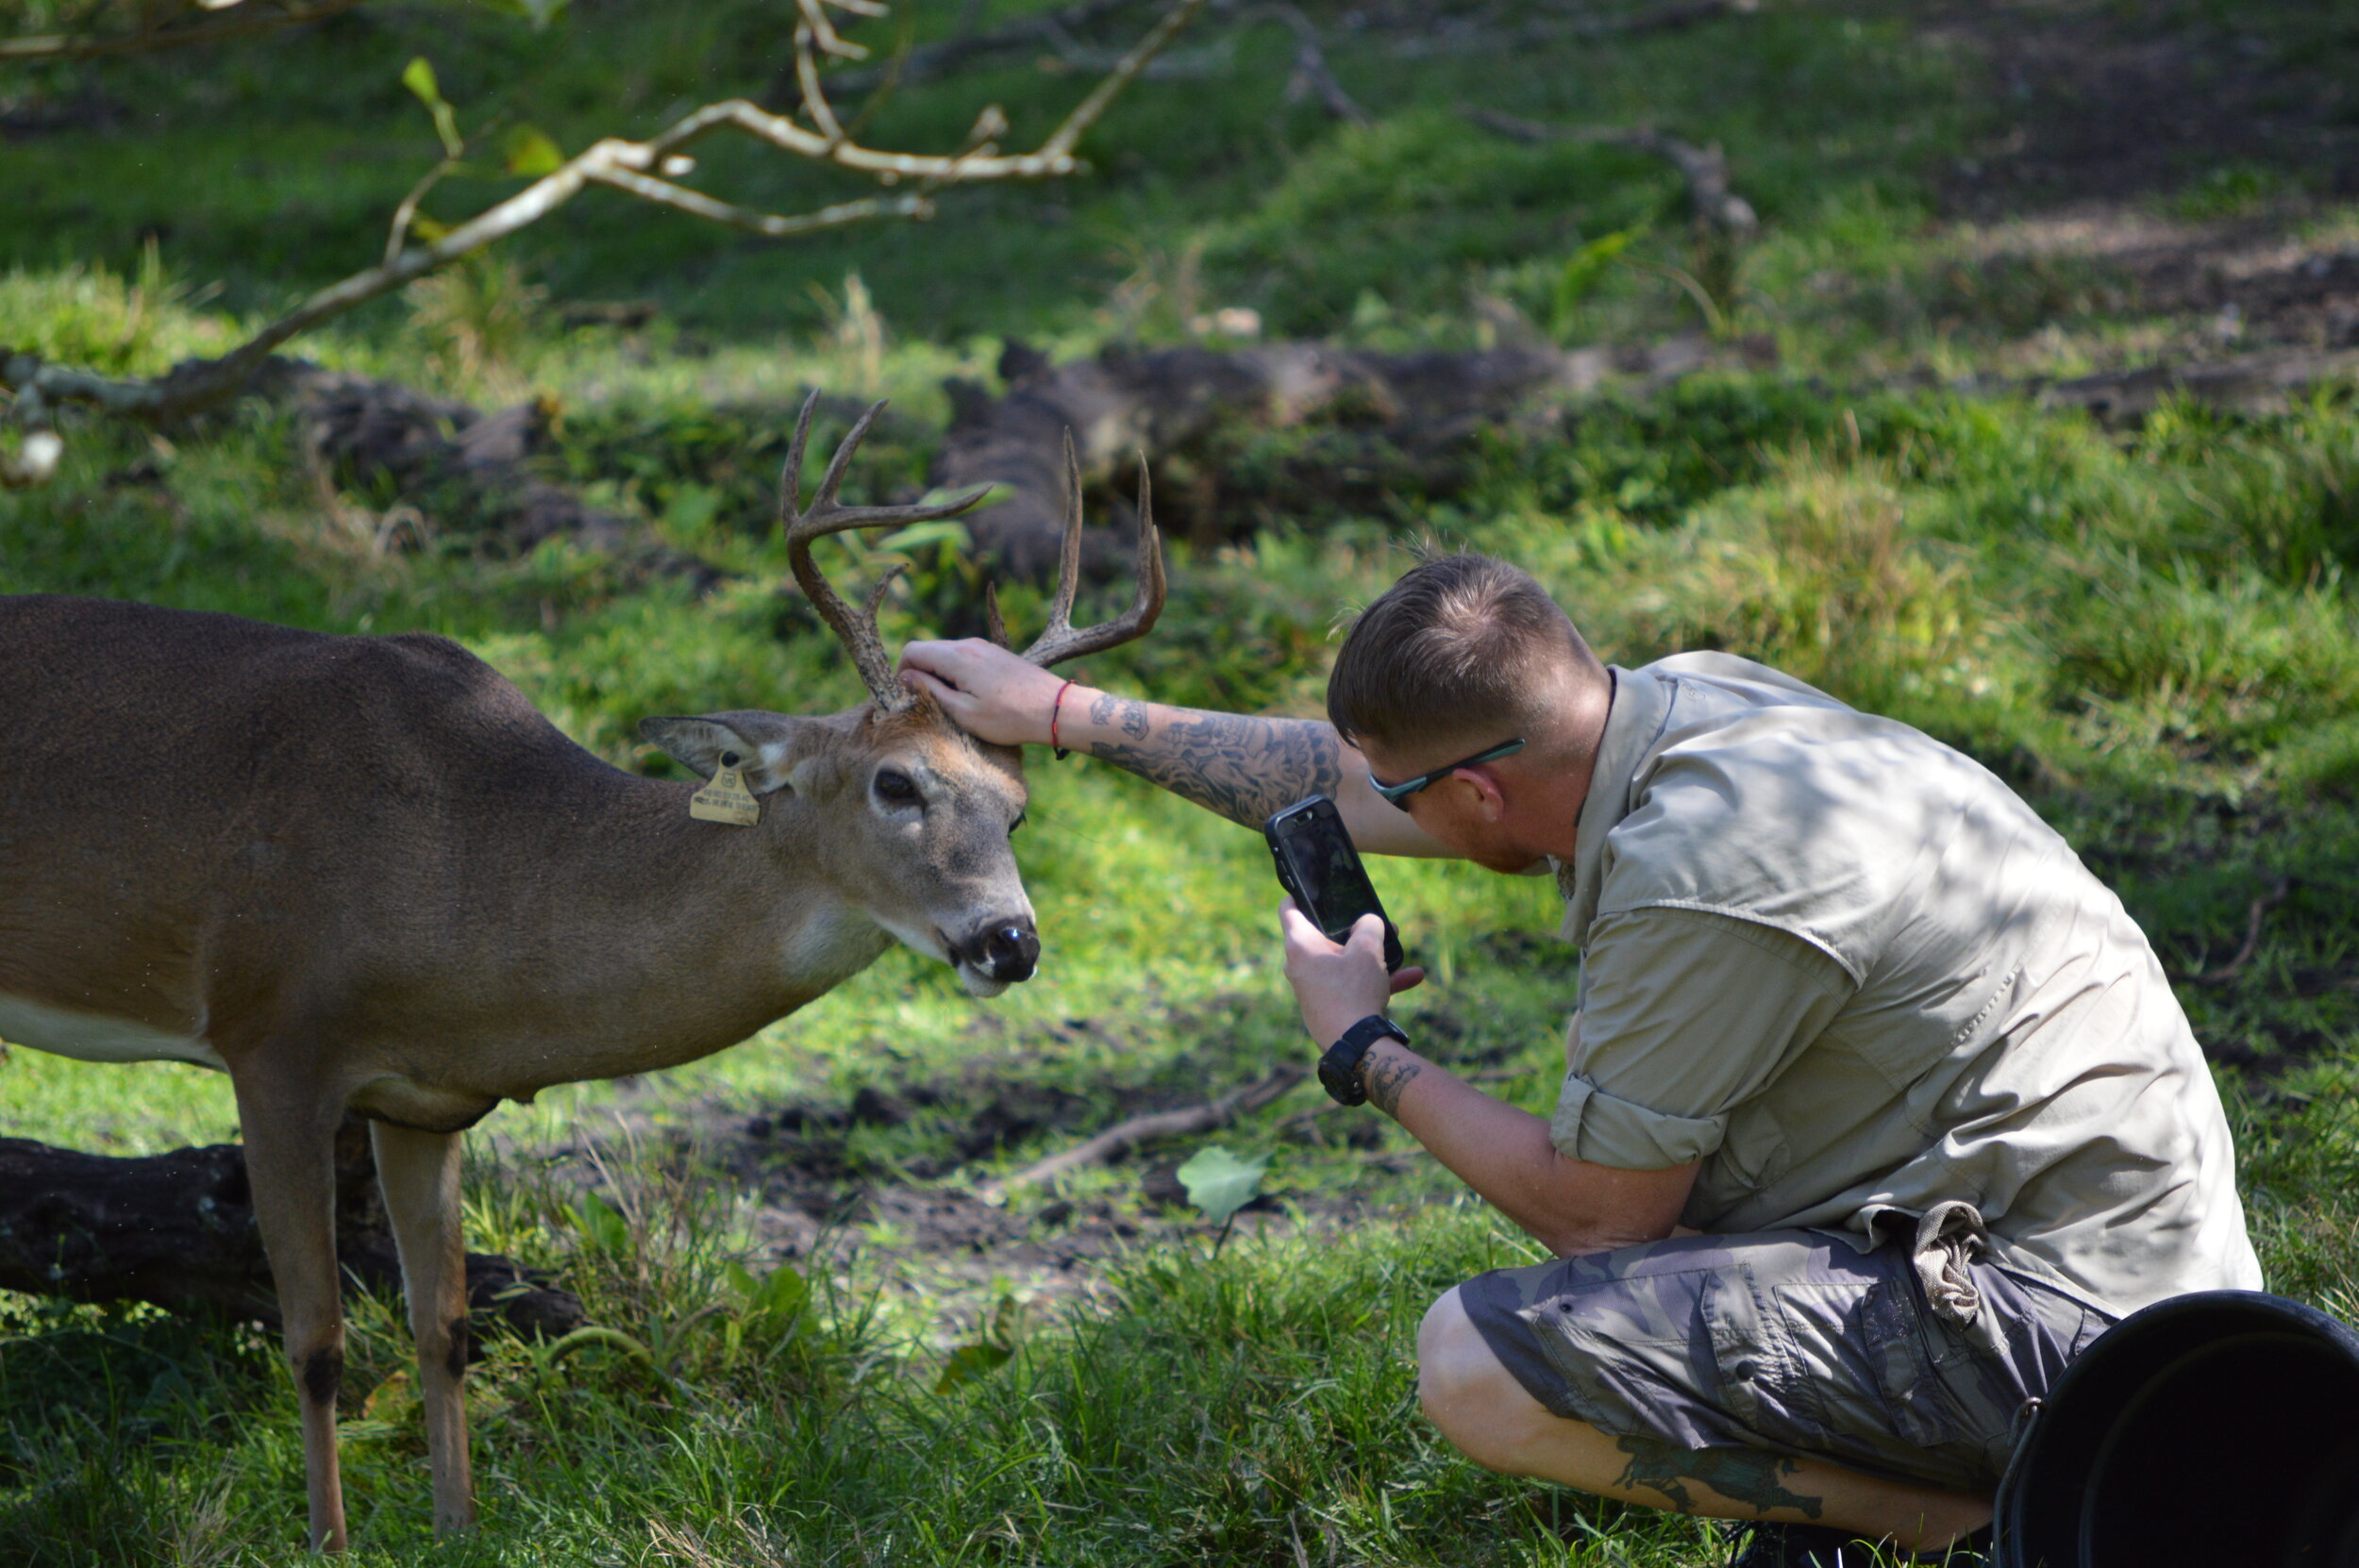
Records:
x=1297, y=928
x=1407, y=977
x=917, y=679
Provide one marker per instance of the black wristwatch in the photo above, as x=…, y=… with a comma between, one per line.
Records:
x=1339, y=1066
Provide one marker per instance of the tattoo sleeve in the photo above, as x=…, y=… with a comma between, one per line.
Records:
x=1747, y=1475
x=1245, y=768
x=1127, y=714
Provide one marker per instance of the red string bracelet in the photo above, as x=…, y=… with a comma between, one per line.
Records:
x=1056, y=711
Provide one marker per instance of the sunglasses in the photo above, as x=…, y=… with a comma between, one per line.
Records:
x=1398, y=793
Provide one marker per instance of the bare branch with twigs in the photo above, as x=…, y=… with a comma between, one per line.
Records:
x=645, y=170
x=1705, y=168
x=1124, y=1136
x=2255, y=915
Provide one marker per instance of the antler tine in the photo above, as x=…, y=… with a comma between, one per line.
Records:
x=856, y=630
x=791, y=477
x=1069, y=548
x=1061, y=641
x=995, y=623
x=843, y=459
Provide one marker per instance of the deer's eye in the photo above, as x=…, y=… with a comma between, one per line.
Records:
x=1016, y=824
x=895, y=787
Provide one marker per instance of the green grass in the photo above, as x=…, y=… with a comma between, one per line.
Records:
x=2148, y=632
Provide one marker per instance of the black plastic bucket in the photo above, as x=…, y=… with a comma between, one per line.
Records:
x=2218, y=1430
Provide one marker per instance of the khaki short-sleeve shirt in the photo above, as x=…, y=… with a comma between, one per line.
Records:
x=1847, y=971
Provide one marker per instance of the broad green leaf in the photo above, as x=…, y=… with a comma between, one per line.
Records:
x=418, y=77
x=970, y=1361
x=993, y=495
x=395, y=1401
x=1586, y=267
x=530, y=152
x=600, y=1224
x=947, y=530
x=781, y=1293
x=1219, y=1183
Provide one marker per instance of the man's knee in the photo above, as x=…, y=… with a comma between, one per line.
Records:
x=1468, y=1396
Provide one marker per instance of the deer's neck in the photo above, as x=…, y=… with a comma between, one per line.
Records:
x=668, y=938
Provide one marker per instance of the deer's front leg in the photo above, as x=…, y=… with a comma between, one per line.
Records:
x=289, y=1128
x=419, y=1175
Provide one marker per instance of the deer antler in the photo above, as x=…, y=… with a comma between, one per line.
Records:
x=1061, y=641
x=857, y=630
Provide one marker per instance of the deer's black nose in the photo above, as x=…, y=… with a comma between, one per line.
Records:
x=1007, y=949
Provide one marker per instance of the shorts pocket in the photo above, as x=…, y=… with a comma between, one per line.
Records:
x=1858, y=1382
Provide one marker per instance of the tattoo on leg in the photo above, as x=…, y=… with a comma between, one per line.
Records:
x=1127, y=714
x=1386, y=1079
x=1746, y=1475
x=1243, y=768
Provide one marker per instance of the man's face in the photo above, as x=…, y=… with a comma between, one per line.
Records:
x=1479, y=811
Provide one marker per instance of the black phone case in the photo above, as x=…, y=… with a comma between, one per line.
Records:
x=1327, y=824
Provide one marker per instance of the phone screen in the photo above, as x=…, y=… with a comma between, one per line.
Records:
x=1334, y=889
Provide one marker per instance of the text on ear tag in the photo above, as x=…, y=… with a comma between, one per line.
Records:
x=726, y=799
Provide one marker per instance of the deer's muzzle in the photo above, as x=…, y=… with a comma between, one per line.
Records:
x=1004, y=950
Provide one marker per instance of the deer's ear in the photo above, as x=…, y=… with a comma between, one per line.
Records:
x=763, y=747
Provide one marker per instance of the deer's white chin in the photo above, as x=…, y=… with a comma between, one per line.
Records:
x=978, y=983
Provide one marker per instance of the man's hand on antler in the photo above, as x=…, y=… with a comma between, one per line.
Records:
x=993, y=694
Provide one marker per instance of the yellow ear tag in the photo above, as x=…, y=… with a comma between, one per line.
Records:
x=726, y=799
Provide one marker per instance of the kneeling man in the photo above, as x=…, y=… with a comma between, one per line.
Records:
x=1878, y=1107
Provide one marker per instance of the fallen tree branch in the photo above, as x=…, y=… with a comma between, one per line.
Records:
x=1124, y=1136
x=1311, y=72
x=177, y=1230
x=2253, y=916
x=2250, y=384
x=1421, y=409
x=208, y=25
x=648, y=170
x=1705, y=168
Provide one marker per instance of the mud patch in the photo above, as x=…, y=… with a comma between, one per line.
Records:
x=2118, y=102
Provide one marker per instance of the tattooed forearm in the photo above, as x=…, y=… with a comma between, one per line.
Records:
x=1127, y=714
x=1245, y=768
x=1745, y=1475
x=1387, y=1077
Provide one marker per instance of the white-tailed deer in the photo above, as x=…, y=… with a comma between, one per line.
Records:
x=364, y=874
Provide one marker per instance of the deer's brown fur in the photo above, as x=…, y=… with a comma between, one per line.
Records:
x=365, y=874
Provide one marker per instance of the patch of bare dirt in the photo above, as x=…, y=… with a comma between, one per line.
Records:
x=923, y=1226
x=2115, y=100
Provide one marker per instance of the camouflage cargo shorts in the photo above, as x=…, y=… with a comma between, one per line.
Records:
x=1793, y=1341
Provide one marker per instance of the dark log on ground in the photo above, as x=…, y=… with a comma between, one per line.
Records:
x=1167, y=402
x=177, y=1230
x=2251, y=384
x=464, y=469
x=459, y=470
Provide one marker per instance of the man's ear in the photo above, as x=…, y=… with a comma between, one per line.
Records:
x=766, y=748
x=1488, y=798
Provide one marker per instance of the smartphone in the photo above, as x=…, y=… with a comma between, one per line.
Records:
x=1317, y=864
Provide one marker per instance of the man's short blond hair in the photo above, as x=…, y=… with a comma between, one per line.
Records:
x=1461, y=648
